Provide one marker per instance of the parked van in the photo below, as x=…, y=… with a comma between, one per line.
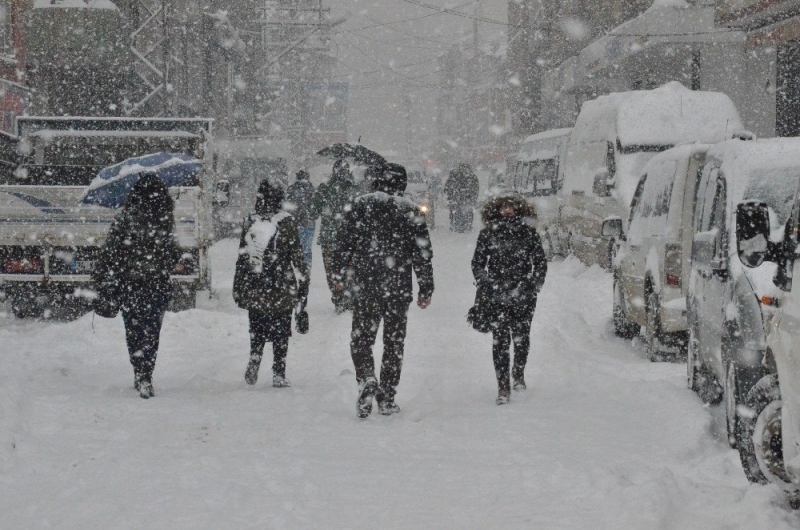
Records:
x=769, y=435
x=613, y=138
x=538, y=174
x=653, y=265
x=731, y=298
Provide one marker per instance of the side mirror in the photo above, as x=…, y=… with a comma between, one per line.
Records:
x=704, y=250
x=601, y=187
x=612, y=229
x=752, y=233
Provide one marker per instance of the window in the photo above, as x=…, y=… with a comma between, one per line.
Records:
x=637, y=199
x=6, y=28
x=611, y=160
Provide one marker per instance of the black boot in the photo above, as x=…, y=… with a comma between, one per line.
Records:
x=504, y=390
x=366, y=391
x=251, y=374
x=519, y=379
x=146, y=390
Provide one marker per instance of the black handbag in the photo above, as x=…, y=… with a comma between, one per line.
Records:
x=301, y=319
x=481, y=316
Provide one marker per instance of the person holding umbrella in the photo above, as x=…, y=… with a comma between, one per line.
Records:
x=271, y=279
x=134, y=267
x=332, y=200
x=382, y=240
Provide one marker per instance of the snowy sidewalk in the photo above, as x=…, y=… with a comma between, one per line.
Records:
x=602, y=438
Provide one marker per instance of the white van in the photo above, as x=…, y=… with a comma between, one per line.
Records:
x=538, y=174
x=746, y=190
x=653, y=264
x=613, y=138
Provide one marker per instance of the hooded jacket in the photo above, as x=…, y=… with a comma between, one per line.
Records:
x=141, y=250
x=383, y=238
x=509, y=263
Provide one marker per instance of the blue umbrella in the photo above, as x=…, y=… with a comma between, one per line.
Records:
x=111, y=186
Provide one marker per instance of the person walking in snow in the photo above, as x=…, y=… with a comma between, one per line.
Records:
x=271, y=279
x=382, y=239
x=134, y=265
x=332, y=200
x=300, y=201
x=509, y=266
x=462, y=189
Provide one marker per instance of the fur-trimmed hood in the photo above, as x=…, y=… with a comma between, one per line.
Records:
x=525, y=212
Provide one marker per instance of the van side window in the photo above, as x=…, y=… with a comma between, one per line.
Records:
x=703, y=208
x=611, y=160
x=636, y=202
x=718, y=212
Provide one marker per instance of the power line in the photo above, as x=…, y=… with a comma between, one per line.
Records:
x=383, y=24
x=396, y=43
x=371, y=59
x=458, y=13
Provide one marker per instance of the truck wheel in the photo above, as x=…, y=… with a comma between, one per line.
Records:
x=183, y=299
x=25, y=306
x=623, y=328
x=760, y=441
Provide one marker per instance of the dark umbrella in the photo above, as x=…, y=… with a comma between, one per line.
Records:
x=111, y=186
x=357, y=153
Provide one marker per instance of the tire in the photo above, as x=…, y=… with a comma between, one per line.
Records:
x=732, y=401
x=183, y=299
x=759, y=438
x=653, y=334
x=623, y=328
x=698, y=378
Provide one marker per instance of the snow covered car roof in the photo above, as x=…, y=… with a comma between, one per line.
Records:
x=542, y=146
x=666, y=116
x=763, y=170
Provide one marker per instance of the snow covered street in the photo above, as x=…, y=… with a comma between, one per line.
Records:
x=602, y=438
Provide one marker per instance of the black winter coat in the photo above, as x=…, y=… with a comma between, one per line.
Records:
x=331, y=202
x=283, y=279
x=382, y=239
x=301, y=196
x=462, y=187
x=509, y=264
x=136, y=258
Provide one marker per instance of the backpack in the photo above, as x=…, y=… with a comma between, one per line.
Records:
x=257, y=283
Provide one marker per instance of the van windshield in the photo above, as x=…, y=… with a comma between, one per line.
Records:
x=775, y=187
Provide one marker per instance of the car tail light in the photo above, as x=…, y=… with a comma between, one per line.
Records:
x=673, y=264
x=770, y=301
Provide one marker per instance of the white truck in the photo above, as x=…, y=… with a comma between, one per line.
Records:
x=50, y=239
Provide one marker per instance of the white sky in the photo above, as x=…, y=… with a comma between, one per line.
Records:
x=375, y=60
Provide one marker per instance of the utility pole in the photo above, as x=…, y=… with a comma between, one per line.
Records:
x=150, y=47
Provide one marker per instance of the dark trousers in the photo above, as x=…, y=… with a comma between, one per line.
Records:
x=367, y=316
x=328, y=254
x=277, y=330
x=461, y=216
x=307, y=242
x=143, y=314
x=516, y=329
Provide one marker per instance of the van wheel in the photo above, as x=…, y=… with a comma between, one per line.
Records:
x=653, y=335
x=623, y=327
x=698, y=378
x=760, y=441
x=732, y=398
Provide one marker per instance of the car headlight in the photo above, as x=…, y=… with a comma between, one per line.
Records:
x=425, y=208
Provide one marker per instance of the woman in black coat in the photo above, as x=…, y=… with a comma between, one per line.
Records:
x=271, y=280
x=509, y=267
x=134, y=269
